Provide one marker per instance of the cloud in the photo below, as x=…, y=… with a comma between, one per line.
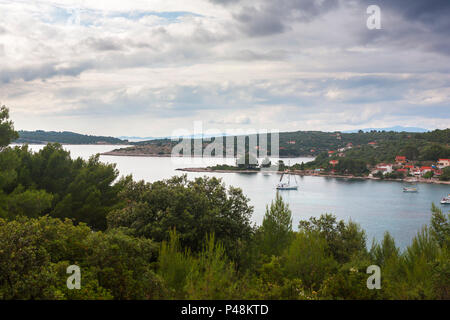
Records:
x=272, y=17
x=283, y=64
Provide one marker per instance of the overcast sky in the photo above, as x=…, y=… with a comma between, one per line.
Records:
x=150, y=67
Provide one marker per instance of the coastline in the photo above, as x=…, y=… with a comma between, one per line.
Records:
x=207, y=170
x=152, y=155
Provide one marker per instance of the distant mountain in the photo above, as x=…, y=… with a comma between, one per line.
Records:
x=64, y=137
x=145, y=139
x=137, y=139
x=395, y=129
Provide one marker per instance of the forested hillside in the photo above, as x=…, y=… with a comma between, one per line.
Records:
x=313, y=143
x=64, y=137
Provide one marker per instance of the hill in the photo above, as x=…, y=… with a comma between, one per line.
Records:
x=64, y=137
x=315, y=143
x=395, y=128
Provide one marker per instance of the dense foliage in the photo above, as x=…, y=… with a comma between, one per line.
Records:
x=415, y=146
x=181, y=239
x=50, y=182
x=194, y=208
x=7, y=133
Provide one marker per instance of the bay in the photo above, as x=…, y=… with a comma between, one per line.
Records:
x=378, y=206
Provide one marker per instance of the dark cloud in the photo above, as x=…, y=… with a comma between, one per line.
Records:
x=429, y=12
x=412, y=24
x=272, y=17
x=252, y=55
x=48, y=70
x=224, y=2
x=104, y=44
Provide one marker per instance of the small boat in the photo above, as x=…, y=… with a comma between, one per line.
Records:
x=287, y=185
x=446, y=200
x=410, y=189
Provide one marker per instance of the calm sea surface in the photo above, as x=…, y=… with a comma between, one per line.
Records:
x=378, y=206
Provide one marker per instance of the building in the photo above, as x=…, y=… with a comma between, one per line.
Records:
x=383, y=167
x=400, y=159
x=425, y=169
x=442, y=163
x=291, y=142
x=334, y=162
x=331, y=153
x=372, y=143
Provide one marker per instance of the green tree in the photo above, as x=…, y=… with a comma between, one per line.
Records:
x=194, y=208
x=428, y=175
x=35, y=253
x=212, y=275
x=345, y=240
x=410, y=152
x=7, y=133
x=434, y=152
x=276, y=233
x=30, y=203
x=248, y=161
x=440, y=226
x=445, y=176
x=308, y=259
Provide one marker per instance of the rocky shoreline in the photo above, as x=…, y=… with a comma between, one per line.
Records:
x=151, y=155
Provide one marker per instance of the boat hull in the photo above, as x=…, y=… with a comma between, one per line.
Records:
x=287, y=188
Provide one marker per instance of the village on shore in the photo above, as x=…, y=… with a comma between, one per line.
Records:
x=402, y=169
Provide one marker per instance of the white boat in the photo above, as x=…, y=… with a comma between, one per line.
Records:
x=287, y=185
x=446, y=200
x=410, y=189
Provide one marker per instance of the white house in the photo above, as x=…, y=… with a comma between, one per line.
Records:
x=442, y=163
x=384, y=168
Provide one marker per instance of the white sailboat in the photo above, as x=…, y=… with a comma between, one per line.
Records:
x=413, y=188
x=287, y=185
x=446, y=200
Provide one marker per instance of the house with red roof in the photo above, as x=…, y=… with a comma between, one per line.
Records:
x=425, y=169
x=334, y=162
x=400, y=159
